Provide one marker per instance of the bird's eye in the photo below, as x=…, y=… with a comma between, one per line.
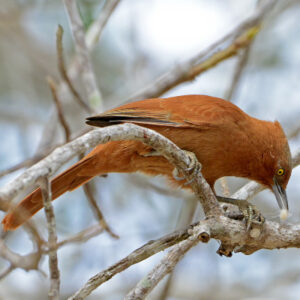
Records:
x=280, y=172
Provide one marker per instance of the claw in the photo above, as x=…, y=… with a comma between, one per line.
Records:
x=251, y=214
x=176, y=176
x=193, y=169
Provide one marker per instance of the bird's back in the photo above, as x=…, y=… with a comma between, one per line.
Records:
x=180, y=111
x=210, y=127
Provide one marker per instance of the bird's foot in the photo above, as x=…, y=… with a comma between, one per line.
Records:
x=193, y=169
x=247, y=211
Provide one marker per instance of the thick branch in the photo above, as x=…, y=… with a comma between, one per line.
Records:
x=169, y=150
x=231, y=233
x=142, y=253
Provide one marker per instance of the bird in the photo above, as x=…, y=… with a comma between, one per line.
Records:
x=225, y=140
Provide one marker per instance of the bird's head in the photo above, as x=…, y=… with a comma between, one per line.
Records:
x=276, y=165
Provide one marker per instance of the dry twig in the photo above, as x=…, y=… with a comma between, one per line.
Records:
x=241, y=64
x=26, y=262
x=199, y=233
x=97, y=211
x=52, y=238
x=230, y=232
x=6, y=272
x=58, y=106
x=95, y=30
x=140, y=254
x=87, y=75
x=238, y=38
x=63, y=72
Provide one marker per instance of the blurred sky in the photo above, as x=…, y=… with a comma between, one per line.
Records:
x=142, y=40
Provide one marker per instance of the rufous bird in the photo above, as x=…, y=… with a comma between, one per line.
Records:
x=225, y=140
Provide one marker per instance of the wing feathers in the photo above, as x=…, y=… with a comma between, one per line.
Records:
x=197, y=111
x=103, y=121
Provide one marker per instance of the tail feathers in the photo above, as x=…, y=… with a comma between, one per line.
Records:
x=67, y=181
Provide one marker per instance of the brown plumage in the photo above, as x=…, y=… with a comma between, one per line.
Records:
x=227, y=142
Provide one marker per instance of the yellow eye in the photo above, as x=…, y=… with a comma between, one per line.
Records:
x=280, y=172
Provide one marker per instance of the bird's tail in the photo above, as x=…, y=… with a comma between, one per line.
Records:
x=67, y=181
x=114, y=156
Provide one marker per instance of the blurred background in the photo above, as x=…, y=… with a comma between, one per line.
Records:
x=142, y=40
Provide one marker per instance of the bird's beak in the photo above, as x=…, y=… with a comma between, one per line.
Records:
x=280, y=195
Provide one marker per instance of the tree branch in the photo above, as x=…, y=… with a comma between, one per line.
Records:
x=52, y=238
x=231, y=233
x=63, y=72
x=169, y=150
x=95, y=30
x=87, y=74
x=145, y=286
x=58, y=106
x=97, y=211
x=140, y=254
x=238, y=38
x=26, y=262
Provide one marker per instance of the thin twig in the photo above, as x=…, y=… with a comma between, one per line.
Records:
x=168, y=263
x=147, y=250
x=6, y=272
x=186, y=217
x=238, y=71
x=58, y=106
x=82, y=236
x=91, y=38
x=294, y=132
x=87, y=74
x=95, y=30
x=79, y=237
x=238, y=38
x=38, y=156
x=241, y=64
x=31, y=229
x=26, y=262
x=96, y=210
x=24, y=164
x=63, y=71
x=52, y=238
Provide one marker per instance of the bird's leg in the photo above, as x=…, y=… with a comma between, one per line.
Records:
x=194, y=166
x=249, y=211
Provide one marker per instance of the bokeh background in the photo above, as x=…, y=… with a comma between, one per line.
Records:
x=142, y=40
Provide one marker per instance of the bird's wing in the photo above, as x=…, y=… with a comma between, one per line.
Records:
x=183, y=111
